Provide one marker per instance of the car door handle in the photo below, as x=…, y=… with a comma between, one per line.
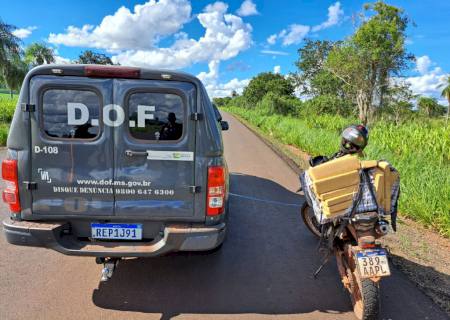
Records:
x=132, y=153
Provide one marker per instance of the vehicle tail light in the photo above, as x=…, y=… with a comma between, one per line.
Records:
x=112, y=72
x=215, y=198
x=11, y=193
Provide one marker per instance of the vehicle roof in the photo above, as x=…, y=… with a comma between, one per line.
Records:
x=145, y=73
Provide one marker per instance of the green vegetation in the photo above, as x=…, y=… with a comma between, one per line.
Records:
x=358, y=80
x=7, y=108
x=38, y=53
x=90, y=57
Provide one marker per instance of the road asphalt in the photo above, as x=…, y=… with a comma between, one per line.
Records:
x=263, y=271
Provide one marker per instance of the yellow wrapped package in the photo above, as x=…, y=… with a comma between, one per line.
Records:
x=336, y=183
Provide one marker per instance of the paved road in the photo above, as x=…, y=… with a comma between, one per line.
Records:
x=263, y=271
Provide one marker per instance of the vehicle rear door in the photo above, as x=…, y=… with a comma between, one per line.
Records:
x=72, y=151
x=154, y=158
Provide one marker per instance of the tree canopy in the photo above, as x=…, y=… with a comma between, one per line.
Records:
x=91, y=57
x=38, y=53
x=367, y=60
x=267, y=82
x=446, y=93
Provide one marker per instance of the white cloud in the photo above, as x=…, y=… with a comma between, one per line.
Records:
x=140, y=29
x=272, y=39
x=212, y=75
x=277, y=69
x=423, y=63
x=335, y=15
x=294, y=34
x=215, y=89
x=247, y=8
x=62, y=60
x=219, y=90
x=218, y=6
x=428, y=84
x=429, y=81
x=275, y=52
x=23, y=33
x=226, y=35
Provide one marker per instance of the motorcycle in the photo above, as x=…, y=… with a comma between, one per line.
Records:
x=353, y=237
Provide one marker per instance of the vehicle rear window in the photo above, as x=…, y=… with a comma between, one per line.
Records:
x=156, y=116
x=70, y=114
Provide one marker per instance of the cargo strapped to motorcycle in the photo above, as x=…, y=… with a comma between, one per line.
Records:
x=343, y=187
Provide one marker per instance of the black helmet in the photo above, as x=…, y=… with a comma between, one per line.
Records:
x=354, y=138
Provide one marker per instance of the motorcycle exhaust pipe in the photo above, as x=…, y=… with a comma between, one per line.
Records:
x=382, y=228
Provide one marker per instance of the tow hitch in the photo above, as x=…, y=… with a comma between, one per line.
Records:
x=109, y=265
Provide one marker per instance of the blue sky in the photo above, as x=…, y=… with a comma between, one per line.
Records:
x=224, y=43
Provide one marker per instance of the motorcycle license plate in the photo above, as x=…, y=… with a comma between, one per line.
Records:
x=373, y=263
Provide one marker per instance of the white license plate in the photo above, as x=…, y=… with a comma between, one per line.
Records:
x=373, y=263
x=122, y=231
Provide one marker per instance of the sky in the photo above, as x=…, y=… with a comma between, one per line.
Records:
x=224, y=43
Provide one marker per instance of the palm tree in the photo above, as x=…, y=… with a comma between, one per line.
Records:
x=38, y=53
x=446, y=93
x=14, y=72
x=9, y=43
x=9, y=51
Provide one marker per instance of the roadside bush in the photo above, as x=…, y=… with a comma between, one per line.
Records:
x=7, y=108
x=326, y=104
x=4, y=129
x=275, y=104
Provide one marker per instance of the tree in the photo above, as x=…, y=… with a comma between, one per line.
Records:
x=37, y=54
x=9, y=43
x=221, y=102
x=430, y=107
x=9, y=53
x=90, y=57
x=446, y=93
x=14, y=73
x=312, y=78
x=398, y=104
x=266, y=82
x=369, y=58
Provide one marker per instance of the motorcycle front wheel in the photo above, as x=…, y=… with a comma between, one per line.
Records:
x=310, y=219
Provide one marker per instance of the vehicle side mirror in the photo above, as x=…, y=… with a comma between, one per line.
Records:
x=224, y=125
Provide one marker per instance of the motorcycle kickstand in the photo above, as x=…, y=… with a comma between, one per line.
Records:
x=325, y=261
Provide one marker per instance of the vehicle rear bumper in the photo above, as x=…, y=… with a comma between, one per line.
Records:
x=52, y=235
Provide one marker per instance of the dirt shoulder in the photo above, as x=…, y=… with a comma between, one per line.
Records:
x=421, y=254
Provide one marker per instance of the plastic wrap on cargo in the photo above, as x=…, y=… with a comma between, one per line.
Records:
x=365, y=198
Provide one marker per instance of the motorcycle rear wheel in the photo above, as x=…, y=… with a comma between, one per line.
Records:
x=365, y=297
x=310, y=219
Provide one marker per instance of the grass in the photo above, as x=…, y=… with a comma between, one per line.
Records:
x=419, y=150
x=7, y=108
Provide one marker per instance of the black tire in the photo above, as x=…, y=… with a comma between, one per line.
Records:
x=366, y=300
x=310, y=219
x=370, y=292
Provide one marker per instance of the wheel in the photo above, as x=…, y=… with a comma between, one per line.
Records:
x=365, y=296
x=310, y=219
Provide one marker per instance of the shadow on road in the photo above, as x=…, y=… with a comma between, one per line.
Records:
x=434, y=283
x=264, y=267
